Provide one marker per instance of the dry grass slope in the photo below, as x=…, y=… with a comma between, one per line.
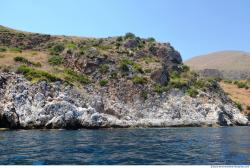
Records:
x=226, y=60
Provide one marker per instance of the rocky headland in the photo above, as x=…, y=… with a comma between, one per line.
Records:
x=127, y=81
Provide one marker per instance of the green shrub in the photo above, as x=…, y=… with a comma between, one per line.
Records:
x=149, y=59
x=139, y=80
x=103, y=82
x=239, y=106
x=15, y=49
x=34, y=74
x=185, y=68
x=129, y=36
x=144, y=94
x=148, y=70
x=228, y=81
x=199, y=83
x=192, y=92
x=236, y=82
x=73, y=76
x=242, y=85
x=103, y=68
x=126, y=62
x=119, y=39
x=151, y=39
x=26, y=61
x=113, y=75
x=56, y=49
x=248, y=108
x=55, y=60
x=71, y=46
x=159, y=88
x=3, y=49
x=21, y=59
x=178, y=82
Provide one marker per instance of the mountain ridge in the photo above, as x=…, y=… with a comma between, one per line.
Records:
x=231, y=64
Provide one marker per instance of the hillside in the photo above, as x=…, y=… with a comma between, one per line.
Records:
x=231, y=64
x=127, y=81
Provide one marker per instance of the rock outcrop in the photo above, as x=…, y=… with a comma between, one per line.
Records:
x=55, y=105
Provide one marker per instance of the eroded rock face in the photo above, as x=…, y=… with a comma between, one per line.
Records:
x=54, y=105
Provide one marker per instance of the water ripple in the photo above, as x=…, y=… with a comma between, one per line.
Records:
x=229, y=145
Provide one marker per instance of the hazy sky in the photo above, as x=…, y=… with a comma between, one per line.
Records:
x=193, y=27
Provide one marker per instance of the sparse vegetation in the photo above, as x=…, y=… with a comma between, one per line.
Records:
x=139, y=80
x=103, y=68
x=176, y=81
x=144, y=94
x=159, y=88
x=34, y=74
x=239, y=106
x=27, y=62
x=3, y=49
x=15, y=49
x=72, y=76
x=103, y=82
x=55, y=60
x=71, y=46
x=56, y=49
x=125, y=63
x=192, y=92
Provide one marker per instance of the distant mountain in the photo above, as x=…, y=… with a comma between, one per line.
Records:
x=226, y=64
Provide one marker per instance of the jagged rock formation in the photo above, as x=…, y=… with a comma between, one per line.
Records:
x=54, y=105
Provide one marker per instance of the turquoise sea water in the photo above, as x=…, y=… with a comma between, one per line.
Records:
x=227, y=145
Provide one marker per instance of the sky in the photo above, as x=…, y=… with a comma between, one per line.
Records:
x=193, y=27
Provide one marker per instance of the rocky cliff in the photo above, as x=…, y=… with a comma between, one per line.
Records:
x=127, y=81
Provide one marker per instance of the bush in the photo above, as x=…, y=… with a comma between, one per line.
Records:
x=3, y=49
x=73, y=76
x=103, y=68
x=248, y=108
x=56, y=49
x=55, y=60
x=151, y=39
x=185, y=68
x=228, y=81
x=34, y=74
x=178, y=82
x=148, y=70
x=103, y=82
x=71, y=46
x=15, y=49
x=129, y=36
x=159, y=88
x=139, y=80
x=239, y=106
x=119, y=39
x=113, y=75
x=144, y=95
x=126, y=62
x=241, y=85
x=192, y=92
x=26, y=61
